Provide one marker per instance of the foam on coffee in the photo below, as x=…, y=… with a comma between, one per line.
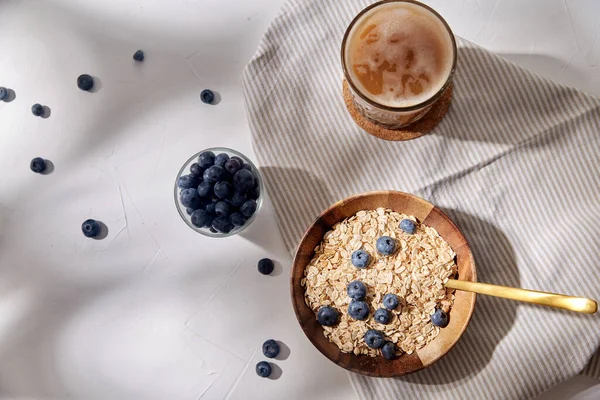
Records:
x=399, y=54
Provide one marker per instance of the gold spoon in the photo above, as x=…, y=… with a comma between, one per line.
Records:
x=578, y=304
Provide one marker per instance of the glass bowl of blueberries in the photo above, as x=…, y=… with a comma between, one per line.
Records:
x=218, y=192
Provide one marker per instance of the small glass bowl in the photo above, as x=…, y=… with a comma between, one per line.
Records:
x=185, y=170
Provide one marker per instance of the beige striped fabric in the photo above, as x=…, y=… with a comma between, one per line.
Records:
x=514, y=163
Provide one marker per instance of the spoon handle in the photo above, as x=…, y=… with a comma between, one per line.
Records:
x=578, y=304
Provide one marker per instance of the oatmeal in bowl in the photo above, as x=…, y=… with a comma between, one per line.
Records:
x=368, y=283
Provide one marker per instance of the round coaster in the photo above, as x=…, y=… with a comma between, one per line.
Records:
x=413, y=131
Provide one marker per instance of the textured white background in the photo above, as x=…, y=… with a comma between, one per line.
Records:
x=154, y=310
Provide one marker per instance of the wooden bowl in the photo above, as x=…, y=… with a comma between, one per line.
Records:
x=460, y=313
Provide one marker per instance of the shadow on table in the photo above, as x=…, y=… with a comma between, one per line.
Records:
x=292, y=214
x=493, y=317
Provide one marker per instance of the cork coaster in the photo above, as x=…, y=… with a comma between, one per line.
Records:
x=419, y=128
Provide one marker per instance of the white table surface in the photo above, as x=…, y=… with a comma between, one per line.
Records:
x=156, y=311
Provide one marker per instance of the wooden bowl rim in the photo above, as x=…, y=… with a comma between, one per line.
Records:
x=294, y=288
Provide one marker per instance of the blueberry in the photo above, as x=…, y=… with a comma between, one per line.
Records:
x=223, y=209
x=265, y=266
x=85, y=82
x=248, y=208
x=232, y=165
x=382, y=316
x=254, y=193
x=439, y=318
x=360, y=259
x=187, y=182
x=356, y=290
x=37, y=110
x=207, y=96
x=206, y=159
x=386, y=245
x=239, y=159
x=263, y=369
x=189, y=198
x=196, y=170
x=237, y=219
x=238, y=199
x=390, y=301
x=214, y=174
x=327, y=316
x=221, y=159
x=38, y=165
x=408, y=226
x=3, y=93
x=222, y=224
x=270, y=348
x=223, y=190
x=388, y=351
x=247, y=166
x=138, y=55
x=243, y=180
x=189, y=211
x=358, y=310
x=374, y=339
x=200, y=218
x=205, y=189
x=90, y=228
x=211, y=208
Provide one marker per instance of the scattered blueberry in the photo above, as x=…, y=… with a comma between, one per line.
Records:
x=221, y=159
x=200, y=218
x=207, y=96
x=263, y=369
x=386, y=245
x=382, y=316
x=3, y=93
x=223, y=190
x=265, y=266
x=237, y=219
x=439, y=318
x=138, y=55
x=37, y=110
x=222, y=224
x=213, y=174
x=206, y=159
x=248, y=208
x=356, y=290
x=270, y=348
x=187, y=182
x=327, y=316
x=360, y=259
x=408, y=226
x=189, y=211
x=390, y=301
x=189, y=198
x=38, y=165
x=238, y=199
x=85, y=82
x=223, y=209
x=196, y=170
x=243, y=180
x=233, y=165
x=205, y=189
x=90, y=228
x=358, y=310
x=374, y=339
x=388, y=351
x=211, y=208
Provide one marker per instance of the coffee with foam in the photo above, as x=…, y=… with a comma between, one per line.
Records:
x=399, y=54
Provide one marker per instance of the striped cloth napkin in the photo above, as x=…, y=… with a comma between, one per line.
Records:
x=513, y=163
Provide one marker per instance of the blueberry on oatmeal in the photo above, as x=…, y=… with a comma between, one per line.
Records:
x=360, y=259
x=356, y=290
x=388, y=351
x=386, y=245
x=358, y=310
x=327, y=316
x=408, y=226
x=439, y=318
x=382, y=316
x=390, y=301
x=374, y=339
